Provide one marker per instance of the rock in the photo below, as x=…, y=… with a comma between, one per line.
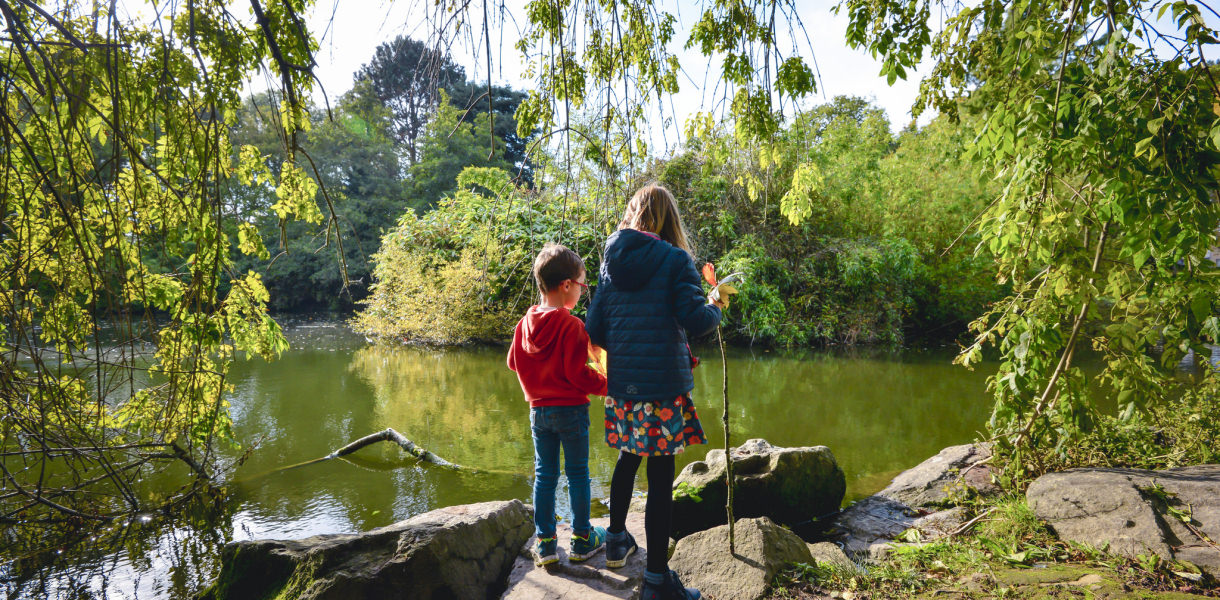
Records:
x=868, y=529
x=589, y=580
x=456, y=552
x=936, y=525
x=868, y=526
x=789, y=485
x=952, y=472
x=762, y=548
x=831, y=555
x=1121, y=509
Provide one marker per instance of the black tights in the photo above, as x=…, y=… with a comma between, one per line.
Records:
x=658, y=512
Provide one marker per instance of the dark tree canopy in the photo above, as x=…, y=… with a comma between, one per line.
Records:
x=504, y=103
x=406, y=75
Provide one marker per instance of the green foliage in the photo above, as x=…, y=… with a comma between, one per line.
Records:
x=113, y=234
x=360, y=169
x=411, y=79
x=462, y=272
x=857, y=251
x=1173, y=433
x=613, y=61
x=406, y=77
x=1105, y=145
x=685, y=490
x=449, y=144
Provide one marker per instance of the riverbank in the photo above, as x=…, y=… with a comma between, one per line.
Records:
x=1090, y=532
x=939, y=529
x=876, y=410
x=1010, y=554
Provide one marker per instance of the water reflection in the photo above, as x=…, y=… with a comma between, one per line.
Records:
x=879, y=413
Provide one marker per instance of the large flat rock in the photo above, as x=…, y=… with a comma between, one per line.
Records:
x=952, y=473
x=869, y=527
x=1134, y=511
x=589, y=580
x=921, y=498
x=461, y=551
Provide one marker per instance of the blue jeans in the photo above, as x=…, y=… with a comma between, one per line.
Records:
x=552, y=427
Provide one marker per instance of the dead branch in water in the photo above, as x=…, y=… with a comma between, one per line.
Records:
x=389, y=435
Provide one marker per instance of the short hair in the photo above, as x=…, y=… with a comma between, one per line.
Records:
x=554, y=264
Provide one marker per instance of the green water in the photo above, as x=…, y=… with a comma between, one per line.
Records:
x=878, y=412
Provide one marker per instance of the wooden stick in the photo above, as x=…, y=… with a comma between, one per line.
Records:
x=728, y=456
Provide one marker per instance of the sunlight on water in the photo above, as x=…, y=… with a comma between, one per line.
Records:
x=878, y=412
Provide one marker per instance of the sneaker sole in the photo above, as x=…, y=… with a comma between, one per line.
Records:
x=546, y=560
x=572, y=556
x=615, y=564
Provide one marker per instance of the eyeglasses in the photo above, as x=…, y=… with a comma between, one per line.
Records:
x=583, y=286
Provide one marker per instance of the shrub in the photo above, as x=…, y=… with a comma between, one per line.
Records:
x=461, y=273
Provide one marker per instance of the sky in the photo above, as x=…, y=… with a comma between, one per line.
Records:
x=349, y=33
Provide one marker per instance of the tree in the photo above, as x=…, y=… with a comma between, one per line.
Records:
x=114, y=230
x=406, y=75
x=473, y=99
x=1100, y=119
x=360, y=166
x=449, y=144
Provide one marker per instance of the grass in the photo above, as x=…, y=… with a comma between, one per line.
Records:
x=1009, y=553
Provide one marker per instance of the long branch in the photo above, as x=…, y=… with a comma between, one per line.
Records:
x=728, y=455
x=1065, y=359
x=390, y=435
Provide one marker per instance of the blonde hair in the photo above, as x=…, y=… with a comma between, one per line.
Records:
x=653, y=209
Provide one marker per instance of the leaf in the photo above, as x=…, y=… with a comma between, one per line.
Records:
x=1142, y=146
x=1154, y=125
x=709, y=274
x=1201, y=307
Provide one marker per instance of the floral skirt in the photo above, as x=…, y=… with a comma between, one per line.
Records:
x=653, y=428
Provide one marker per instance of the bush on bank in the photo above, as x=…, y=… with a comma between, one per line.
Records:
x=461, y=272
x=879, y=257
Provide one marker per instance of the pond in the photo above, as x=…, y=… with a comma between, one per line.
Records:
x=879, y=412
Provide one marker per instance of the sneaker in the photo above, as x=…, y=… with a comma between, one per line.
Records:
x=546, y=551
x=670, y=589
x=587, y=546
x=617, y=551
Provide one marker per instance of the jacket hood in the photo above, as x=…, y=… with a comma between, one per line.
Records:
x=540, y=330
x=632, y=257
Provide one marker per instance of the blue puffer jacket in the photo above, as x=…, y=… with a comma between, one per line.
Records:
x=648, y=298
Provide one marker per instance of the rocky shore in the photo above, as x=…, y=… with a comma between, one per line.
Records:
x=786, y=501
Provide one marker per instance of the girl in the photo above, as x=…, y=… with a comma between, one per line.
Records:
x=648, y=300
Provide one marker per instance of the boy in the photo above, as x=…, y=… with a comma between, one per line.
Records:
x=548, y=353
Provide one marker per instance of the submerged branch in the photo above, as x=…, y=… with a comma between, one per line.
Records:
x=389, y=435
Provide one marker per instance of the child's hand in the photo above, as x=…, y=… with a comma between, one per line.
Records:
x=597, y=358
x=721, y=290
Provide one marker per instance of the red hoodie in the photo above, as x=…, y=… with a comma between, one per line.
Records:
x=549, y=352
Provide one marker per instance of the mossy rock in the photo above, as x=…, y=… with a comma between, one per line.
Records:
x=1054, y=581
x=791, y=486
